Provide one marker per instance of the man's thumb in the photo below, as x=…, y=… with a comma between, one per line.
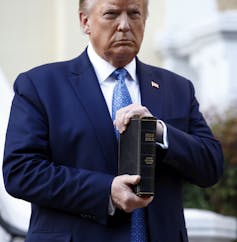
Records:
x=133, y=179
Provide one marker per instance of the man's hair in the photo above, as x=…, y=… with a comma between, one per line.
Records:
x=84, y=5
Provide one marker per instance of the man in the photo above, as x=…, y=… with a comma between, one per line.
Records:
x=61, y=146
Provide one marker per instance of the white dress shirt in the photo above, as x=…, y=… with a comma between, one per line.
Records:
x=103, y=71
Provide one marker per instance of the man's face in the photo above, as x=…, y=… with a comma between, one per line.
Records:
x=115, y=28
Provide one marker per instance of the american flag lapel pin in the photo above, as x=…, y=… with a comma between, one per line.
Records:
x=155, y=84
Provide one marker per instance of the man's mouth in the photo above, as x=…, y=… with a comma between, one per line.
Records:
x=123, y=42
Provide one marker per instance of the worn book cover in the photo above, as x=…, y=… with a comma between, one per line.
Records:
x=137, y=153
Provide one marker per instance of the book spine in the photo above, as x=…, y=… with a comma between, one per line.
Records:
x=147, y=157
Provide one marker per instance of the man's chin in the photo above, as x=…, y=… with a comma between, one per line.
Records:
x=125, y=55
x=125, y=51
x=121, y=55
x=121, y=60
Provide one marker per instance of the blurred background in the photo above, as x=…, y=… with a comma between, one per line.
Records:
x=194, y=38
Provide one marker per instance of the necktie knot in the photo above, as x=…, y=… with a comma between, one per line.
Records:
x=120, y=74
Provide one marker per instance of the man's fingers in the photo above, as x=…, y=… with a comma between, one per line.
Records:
x=124, y=115
x=122, y=195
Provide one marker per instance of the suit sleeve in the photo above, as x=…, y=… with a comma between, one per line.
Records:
x=194, y=152
x=31, y=175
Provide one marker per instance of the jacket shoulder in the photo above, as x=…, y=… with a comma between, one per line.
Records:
x=166, y=76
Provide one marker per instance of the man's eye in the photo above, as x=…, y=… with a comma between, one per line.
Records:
x=110, y=14
x=135, y=14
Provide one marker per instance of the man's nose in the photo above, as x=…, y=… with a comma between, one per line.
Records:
x=124, y=23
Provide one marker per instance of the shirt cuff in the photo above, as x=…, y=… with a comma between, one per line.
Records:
x=111, y=209
x=165, y=143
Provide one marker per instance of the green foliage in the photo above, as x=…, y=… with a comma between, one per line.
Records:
x=222, y=197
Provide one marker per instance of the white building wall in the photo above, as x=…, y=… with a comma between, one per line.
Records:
x=27, y=35
x=200, y=42
x=183, y=14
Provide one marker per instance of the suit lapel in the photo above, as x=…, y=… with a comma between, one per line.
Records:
x=86, y=85
x=152, y=89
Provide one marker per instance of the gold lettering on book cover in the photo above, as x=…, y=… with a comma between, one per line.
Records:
x=149, y=160
x=149, y=137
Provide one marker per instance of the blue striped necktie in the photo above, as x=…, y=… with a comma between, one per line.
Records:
x=122, y=98
x=138, y=226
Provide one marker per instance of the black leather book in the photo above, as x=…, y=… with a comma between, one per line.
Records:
x=137, y=153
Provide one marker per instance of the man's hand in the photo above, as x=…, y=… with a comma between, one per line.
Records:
x=122, y=195
x=124, y=115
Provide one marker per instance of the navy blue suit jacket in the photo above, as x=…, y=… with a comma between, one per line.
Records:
x=61, y=153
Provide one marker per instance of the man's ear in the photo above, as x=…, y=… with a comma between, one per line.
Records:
x=84, y=21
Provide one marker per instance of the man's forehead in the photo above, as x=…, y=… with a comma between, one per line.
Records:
x=130, y=3
x=103, y=5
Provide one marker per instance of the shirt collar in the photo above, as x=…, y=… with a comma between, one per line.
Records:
x=104, y=69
